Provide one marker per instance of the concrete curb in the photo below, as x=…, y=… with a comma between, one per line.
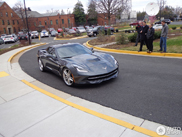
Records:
x=136, y=52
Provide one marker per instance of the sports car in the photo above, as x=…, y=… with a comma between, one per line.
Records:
x=44, y=33
x=77, y=64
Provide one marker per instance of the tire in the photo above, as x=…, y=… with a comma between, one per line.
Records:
x=95, y=34
x=67, y=77
x=41, y=65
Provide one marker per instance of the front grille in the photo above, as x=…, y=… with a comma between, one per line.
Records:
x=103, y=76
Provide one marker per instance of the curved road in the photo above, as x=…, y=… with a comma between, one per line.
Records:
x=147, y=87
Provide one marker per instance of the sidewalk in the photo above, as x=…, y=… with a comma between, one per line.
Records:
x=28, y=108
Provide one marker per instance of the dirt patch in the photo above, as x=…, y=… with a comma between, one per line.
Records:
x=108, y=39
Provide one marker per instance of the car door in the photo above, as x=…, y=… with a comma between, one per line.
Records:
x=52, y=61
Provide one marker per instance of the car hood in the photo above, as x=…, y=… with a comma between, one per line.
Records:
x=95, y=64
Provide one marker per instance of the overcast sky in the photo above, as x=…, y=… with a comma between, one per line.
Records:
x=43, y=5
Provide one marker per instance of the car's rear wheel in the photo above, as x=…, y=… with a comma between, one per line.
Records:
x=68, y=77
x=41, y=66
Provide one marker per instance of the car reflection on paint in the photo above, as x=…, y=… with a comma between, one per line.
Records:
x=78, y=64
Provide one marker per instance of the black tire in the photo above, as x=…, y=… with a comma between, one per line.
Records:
x=95, y=34
x=41, y=65
x=67, y=77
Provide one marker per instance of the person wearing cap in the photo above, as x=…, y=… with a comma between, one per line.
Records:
x=150, y=38
x=143, y=33
x=163, y=39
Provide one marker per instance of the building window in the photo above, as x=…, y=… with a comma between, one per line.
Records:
x=8, y=22
x=39, y=22
x=6, y=14
x=34, y=23
x=13, y=22
x=11, y=14
x=14, y=29
x=45, y=22
x=4, y=31
x=62, y=21
x=57, y=22
x=1, y=14
x=3, y=22
x=17, y=22
x=68, y=21
x=51, y=22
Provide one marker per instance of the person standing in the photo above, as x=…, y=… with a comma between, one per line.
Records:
x=143, y=33
x=150, y=37
x=138, y=29
x=163, y=39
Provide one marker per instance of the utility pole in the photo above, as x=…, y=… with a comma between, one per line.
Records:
x=27, y=23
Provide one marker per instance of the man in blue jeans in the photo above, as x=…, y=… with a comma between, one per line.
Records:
x=163, y=39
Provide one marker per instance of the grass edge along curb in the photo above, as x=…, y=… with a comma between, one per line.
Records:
x=135, y=52
x=10, y=59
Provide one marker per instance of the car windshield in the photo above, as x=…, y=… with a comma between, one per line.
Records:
x=34, y=32
x=72, y=50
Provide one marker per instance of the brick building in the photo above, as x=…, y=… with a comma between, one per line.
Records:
x=102, y=19
x=9, y=20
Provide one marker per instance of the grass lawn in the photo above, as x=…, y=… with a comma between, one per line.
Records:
x=174, y=45
x=177, y=26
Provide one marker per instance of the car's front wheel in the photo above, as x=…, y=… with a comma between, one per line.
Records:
x=95, y=34
x=68, y=77
x=41, y=66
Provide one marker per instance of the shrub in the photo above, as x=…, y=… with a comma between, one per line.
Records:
x=157, y=34
x=108, y=31
x=62, y=34
x=173, y=28
x=132, y=38
x=121, y=38
x=181, y=27
x=101, y=36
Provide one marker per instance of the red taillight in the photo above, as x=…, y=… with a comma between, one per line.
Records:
x=26, y=36
x=4, y=39
x=11, y=37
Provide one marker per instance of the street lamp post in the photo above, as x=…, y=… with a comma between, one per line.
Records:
x=68, y=17
x=27, y=23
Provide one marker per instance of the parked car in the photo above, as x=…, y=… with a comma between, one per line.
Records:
x=78, y=64
x=23, y=37
x=74, y=28
x=20, y=33
x=34, y=34
x=89, y=29
x=111, y=28
x=96, y=31
x=66, y=29
x=3, y=36
x=44, y=33
x=157, y=26
x=50, y=30
x=1, y=41
x=60, y=30
x=9, y=38
x=15, y=37
x=71, y=31
x=54, y=33
x=80, y=29
x=134, y=23
x=168, y=21
x=86, y=27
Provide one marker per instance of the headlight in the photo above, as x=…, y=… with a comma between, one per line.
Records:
x=79, y=69
x=115, y=61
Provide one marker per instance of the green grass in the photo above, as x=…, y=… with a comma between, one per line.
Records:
x=177, y=26
x=14, y=46
x=85, y=33
x=174, y=45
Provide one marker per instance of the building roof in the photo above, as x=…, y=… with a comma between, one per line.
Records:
x=1, y=3
x=34, y=14
x=50, y=14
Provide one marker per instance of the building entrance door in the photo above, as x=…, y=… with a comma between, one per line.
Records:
x=9, y=30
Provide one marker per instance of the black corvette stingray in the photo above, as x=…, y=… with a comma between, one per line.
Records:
x=78, y=64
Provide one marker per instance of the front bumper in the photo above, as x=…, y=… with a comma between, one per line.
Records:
x=97, y=78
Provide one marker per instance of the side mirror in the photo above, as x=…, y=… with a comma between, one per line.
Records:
x=92, y=49
x=51, y=56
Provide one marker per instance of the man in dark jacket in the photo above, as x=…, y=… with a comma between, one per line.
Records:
x=150, y=37
x=138, y=29
x=143, y=34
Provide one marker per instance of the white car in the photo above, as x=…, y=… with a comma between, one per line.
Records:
x=80, y=29
x=157, y=26
x=34, y=34
x=44, y=33
x=9, y=38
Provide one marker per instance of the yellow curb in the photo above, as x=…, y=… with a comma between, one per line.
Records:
x=97, y=114
x=135, y=52
x=9, y=60
x=3, y=74
x=70, y=38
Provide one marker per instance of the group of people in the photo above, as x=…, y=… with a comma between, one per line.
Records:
x=146, y=36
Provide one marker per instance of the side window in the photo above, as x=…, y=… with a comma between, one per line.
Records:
x=49, y=50
x=53, y=53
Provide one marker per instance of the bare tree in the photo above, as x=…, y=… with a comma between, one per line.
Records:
x=162, y=3
x=62, y=12
x=111, y=7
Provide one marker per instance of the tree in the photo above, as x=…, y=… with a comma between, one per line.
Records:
x=92, y=13
x=111, y=7
x=62, y=12
x=78, y=11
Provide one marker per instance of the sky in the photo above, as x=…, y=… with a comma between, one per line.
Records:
x=43, y=5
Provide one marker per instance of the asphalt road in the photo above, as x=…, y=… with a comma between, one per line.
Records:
x=176, y=23
x=147, y=87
